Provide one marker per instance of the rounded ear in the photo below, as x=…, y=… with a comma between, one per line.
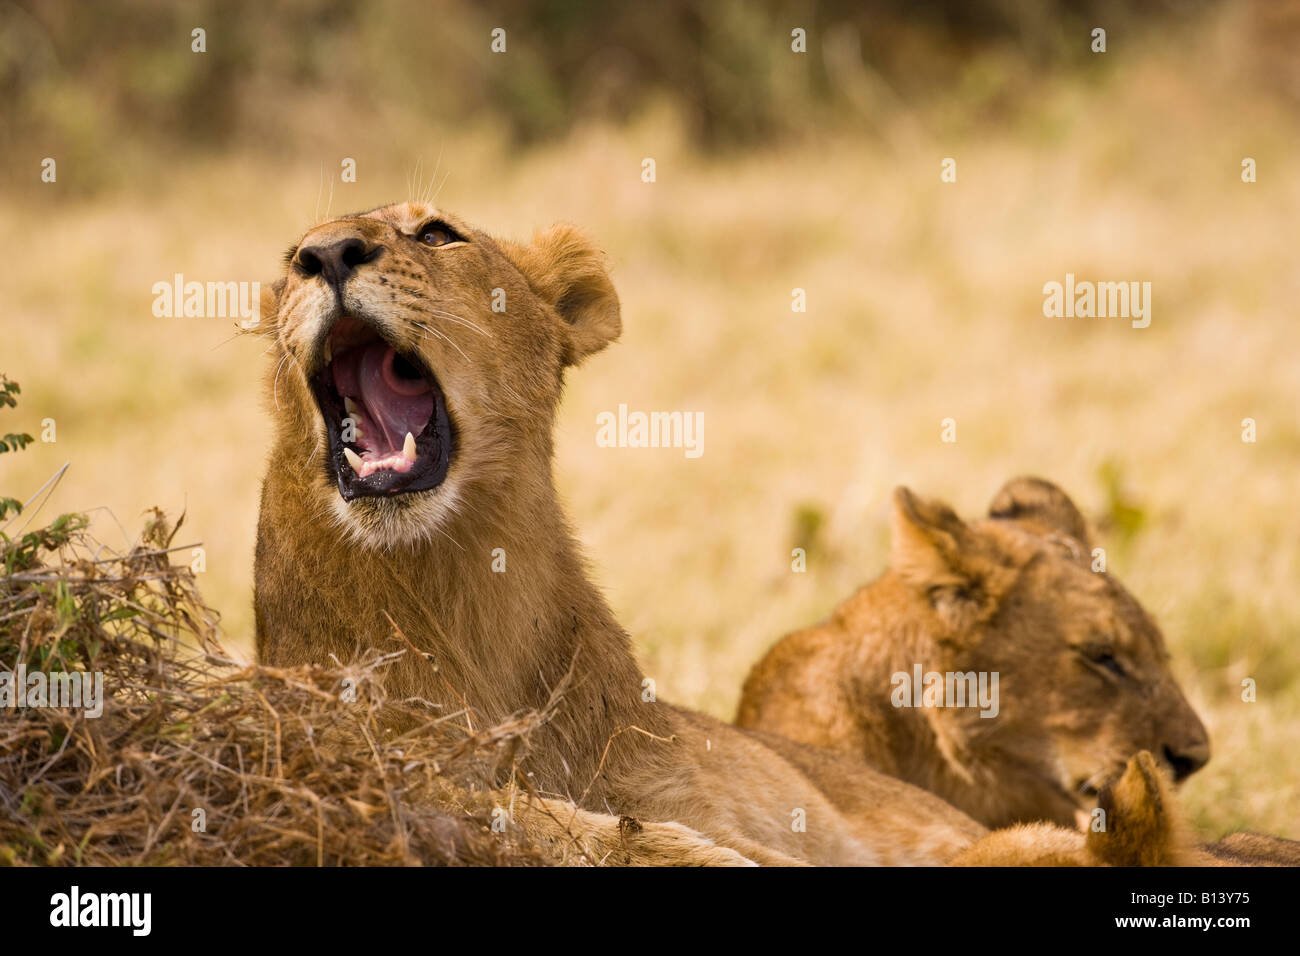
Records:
x=929, y=545
x=567, y=271
x=1041, y=507
x=960, y=572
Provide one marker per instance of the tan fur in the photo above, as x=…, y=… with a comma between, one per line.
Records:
x=1013, y=594
x=329, y=574
x=1255, y=849
x=581, y=836
x=1141, y=827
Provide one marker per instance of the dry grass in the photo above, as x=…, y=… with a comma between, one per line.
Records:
x=924, y=303
x=196, y=761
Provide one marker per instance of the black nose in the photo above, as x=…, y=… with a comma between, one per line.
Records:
x=1187, y=760
x=336, y=262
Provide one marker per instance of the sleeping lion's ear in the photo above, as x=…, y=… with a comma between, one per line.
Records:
x=568, y=272
x=954, y=566
x=929, y=545
x=1041, y=507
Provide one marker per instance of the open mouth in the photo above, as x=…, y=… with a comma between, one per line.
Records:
x=386, y=418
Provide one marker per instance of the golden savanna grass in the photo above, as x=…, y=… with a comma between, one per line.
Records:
x=923, y=303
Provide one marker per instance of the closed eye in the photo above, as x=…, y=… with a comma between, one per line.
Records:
x=437, y=233
x=1101, y=656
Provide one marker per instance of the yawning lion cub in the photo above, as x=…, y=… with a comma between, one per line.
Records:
x=418, y=366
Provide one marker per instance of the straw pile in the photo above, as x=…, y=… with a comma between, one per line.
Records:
x=197, y=760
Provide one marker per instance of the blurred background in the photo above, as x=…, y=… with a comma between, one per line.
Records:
x=775, y=170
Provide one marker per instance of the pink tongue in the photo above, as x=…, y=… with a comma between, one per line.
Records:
x=397, y=405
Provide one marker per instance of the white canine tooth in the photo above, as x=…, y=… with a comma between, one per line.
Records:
x=329, y=352
x=408, y=447
x=353, y=459
x=350, y=407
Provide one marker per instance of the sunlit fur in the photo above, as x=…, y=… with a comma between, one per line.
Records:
x=1015, y=594
x=416, y=572
x=443, y=314
x=330, y=576
x=1142, y=826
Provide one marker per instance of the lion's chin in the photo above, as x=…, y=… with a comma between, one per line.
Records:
x=386, y=422
x=402, y=522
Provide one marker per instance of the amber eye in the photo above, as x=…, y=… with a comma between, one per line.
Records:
x=437, y=234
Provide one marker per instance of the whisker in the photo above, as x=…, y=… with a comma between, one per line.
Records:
x=226, y=341
x=445, y=177
x=414, y=178
x=461, y=320
x=445, y=339
x=308, y=462
x=275, y=387
x=430, y=194
x=443, y=313
x=448, y=537
x=509, y=391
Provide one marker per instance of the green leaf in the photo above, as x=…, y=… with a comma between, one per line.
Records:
x=15, y=441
